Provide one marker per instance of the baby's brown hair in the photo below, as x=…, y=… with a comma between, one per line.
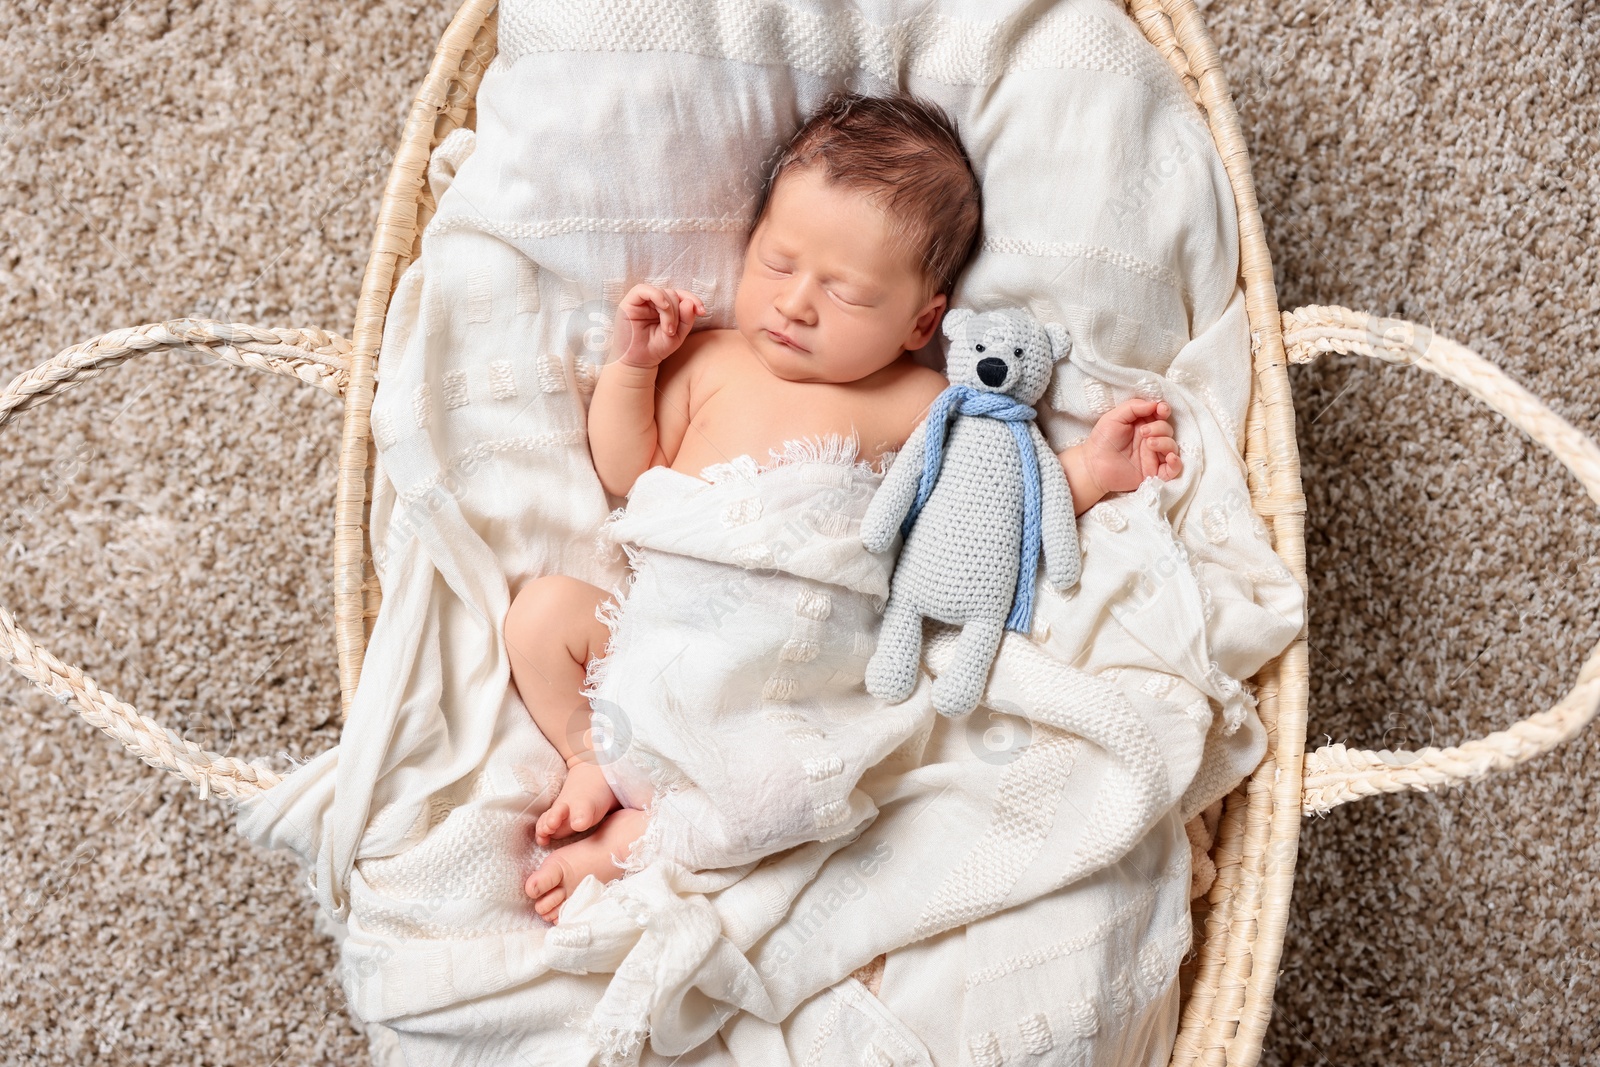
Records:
x=904, y=154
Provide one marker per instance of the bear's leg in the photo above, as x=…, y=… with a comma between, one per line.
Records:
x=892, y=670
x=956, y=691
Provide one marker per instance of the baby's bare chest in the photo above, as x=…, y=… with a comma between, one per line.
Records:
x=736, y=406
x=752, y=417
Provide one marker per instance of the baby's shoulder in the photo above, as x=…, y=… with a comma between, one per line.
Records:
x=708, y=351
x=700, y=362
x=921, y=385
x=911, y=387
x=903, y=399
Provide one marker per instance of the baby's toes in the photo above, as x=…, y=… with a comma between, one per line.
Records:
x=586, y=814
x=542, y=881
x=548, y=905
x=552, y=822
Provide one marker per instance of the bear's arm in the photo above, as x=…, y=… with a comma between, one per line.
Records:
x=1058, y=522
x=895, y=494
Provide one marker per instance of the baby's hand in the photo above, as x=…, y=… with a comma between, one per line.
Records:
x=1131, y=442
x=652, y=323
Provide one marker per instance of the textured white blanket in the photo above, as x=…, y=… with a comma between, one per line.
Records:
x=1025, y=869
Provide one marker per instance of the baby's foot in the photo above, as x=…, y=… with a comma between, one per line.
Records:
x=584, y=799
x=562, y=870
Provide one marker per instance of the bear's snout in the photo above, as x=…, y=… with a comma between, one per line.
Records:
x=992, y=371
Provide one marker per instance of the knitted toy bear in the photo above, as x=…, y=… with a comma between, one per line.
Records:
x=975, y=493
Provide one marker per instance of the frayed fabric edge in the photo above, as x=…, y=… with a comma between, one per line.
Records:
x=837, y=450
x=833, y=448
x=614, y=1046
x=647, y=848
x=619, y=1047
x=609, y=613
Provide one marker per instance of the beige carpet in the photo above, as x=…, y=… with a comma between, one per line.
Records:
x=166, y=526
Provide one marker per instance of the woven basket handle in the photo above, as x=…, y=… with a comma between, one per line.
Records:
x=313, y=356
x=1335, y=774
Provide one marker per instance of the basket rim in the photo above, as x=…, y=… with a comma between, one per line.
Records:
x=444, y=102
x=1227, y=1009
x=1225, y=1014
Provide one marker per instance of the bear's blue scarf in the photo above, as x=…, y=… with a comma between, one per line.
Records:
x=968, y=400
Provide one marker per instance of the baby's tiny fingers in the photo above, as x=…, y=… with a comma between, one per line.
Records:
x=646, y=294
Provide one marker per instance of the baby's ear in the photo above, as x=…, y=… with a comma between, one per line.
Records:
x=1060, y=340
x=954, y=319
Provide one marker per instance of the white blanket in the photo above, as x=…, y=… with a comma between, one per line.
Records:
x=1025, y=869
x=731, y=693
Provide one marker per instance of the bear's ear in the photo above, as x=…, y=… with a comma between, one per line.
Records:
x=954, y=319
x=1060, y=340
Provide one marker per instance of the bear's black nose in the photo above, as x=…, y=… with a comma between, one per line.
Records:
x=991, y=371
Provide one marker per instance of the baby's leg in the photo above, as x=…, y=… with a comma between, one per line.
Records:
x=563, y=869
x=551, y=634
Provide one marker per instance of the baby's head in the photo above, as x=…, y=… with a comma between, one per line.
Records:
x=867, y=217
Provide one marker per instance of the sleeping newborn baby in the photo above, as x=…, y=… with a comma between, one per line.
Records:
x=868, y=217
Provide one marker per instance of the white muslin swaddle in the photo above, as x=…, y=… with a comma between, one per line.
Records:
x=730, y=699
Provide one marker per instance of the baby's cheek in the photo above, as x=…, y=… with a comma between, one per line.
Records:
x=744, y=302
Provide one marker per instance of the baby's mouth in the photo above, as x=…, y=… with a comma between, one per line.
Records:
x=786, y=341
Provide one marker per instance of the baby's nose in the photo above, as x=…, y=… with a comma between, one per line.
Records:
x=792, y=305
x=992, y=371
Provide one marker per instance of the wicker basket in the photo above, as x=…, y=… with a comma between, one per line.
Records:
x=1228, y=982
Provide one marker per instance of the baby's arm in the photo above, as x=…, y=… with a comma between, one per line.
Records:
x=625, y=438
x=1128, y=444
